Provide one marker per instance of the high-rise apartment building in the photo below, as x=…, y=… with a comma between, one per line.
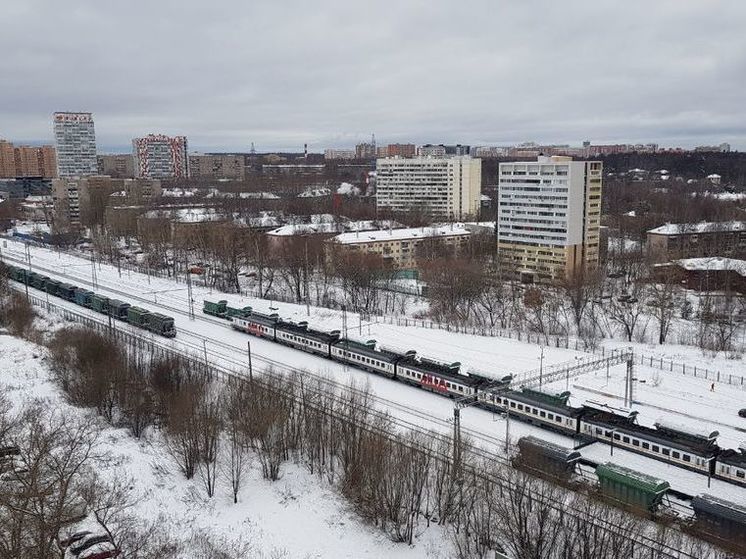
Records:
x=549, y=216
x=75, y=139
x=27, y=161
x=444, y=188
x=160, y=157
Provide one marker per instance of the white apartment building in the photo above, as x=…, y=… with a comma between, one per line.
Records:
x=443, y=187
x=75, y=140
x=549, y=216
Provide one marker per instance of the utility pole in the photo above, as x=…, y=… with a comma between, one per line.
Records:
x=507, y=430
x=204, y=346
x=189, y=295
x=541, y=366
x=456, y=436
x=251, y=372
x=308, y=304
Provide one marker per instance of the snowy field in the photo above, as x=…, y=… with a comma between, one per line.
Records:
x=295, y=517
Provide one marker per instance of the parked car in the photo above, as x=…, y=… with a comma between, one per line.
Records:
x=742, y=412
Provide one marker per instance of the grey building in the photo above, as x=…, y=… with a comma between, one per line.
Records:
x=75, y=139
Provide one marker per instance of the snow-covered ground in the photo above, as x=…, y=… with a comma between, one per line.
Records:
x=297, y=516
x=680, y=398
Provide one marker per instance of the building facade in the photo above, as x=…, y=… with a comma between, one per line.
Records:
x=160, y=157
x=120, y=165
x=330, y=154
x=696, y=240
x=80, y=201
x=75, y=140
x=445, y=188
x=549, y=215
x=27, y=161
x=217, y=166
x=397, y=150
x=402, y=248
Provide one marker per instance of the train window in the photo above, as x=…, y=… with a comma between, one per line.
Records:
x=542, y=414
x=534, y=411
x=558, y=419
x=598, y=431
x=550, y=416
x=686, y=458
x=656, y=448
x=625, y=439
x=646, y=446
x=520, y=406
x=635, y=442
x=512, y=404
x=616, y=436
x=676, y=454
x=666, y=452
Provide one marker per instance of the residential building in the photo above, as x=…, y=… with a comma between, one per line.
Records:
x=429, y=150
x=694, y=240
x=397, y=150
x=705, y=274
x=442, y=187
x=75, y=140
x=81, y=201
x=27, y=161
x=120, y=165
x=549, y=216
x=330, y=154
x=160, y=157
x=217, y=166
x=366, y=150
x=402, y=247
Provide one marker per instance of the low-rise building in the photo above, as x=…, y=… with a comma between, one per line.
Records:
x=706, y=274
x=692, y=240
x=402, y=247
x=120, y=165
x=217, y=166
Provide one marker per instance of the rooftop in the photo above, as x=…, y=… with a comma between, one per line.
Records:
x=714, y=264
x=402, y=234
x=702, y=227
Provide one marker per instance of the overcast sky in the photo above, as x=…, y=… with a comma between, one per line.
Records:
x=329, y=73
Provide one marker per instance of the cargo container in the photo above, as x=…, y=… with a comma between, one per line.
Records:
x=161, y=324
x=138, y=316
x=118, y=309
x=84, y=298
x=100, y=303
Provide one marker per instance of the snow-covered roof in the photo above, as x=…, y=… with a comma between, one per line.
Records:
x=715, y=264
x=321, y=227
x=315, y=193
x=702, y=227
x=402, y=234
x=713, y=176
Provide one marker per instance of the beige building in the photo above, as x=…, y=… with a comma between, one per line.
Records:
x=695, y=240
x=549, y=215
x=446, y=188
x=27, y=161
x=121, y=165
x=217, y=166
x=402, y=247
x=81, y=201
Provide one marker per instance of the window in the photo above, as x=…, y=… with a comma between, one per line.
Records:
x=635, y=442
x=676, y=455
x=542, y=414
x=616, y=436
x=520, y=406
x=625, y=439
x=646, y=446
x=512, y=404
x=740, y=473
x=666, y=452
x=686, y=458
x=656, y=448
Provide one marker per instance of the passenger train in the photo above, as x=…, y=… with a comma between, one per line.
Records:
x=589, y=422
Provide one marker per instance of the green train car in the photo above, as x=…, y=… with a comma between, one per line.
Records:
x=634, y=488
x=137, y=316
x=231, y=312
x=157, y=323
x=161, y=324
x=118, y=309
x=218, y=309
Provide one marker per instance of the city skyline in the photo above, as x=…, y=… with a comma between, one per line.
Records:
x=333, y=72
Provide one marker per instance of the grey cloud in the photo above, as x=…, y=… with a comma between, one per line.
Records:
x=331, y=72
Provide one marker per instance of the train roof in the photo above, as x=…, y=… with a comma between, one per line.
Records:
x=685, y=431
x=543, y=400
x=160, y=316
x=548, y=449
x=624, y=425
x=719, y=507
x=259, y=318
x=302, y=329
x=620, y=474
x=428, y=366
x=369, y=349
x=733, y=457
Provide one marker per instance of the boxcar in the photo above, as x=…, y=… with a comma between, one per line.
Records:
x=215, y=309
x=100, y=303
x=84, y=298
x=161, y=324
